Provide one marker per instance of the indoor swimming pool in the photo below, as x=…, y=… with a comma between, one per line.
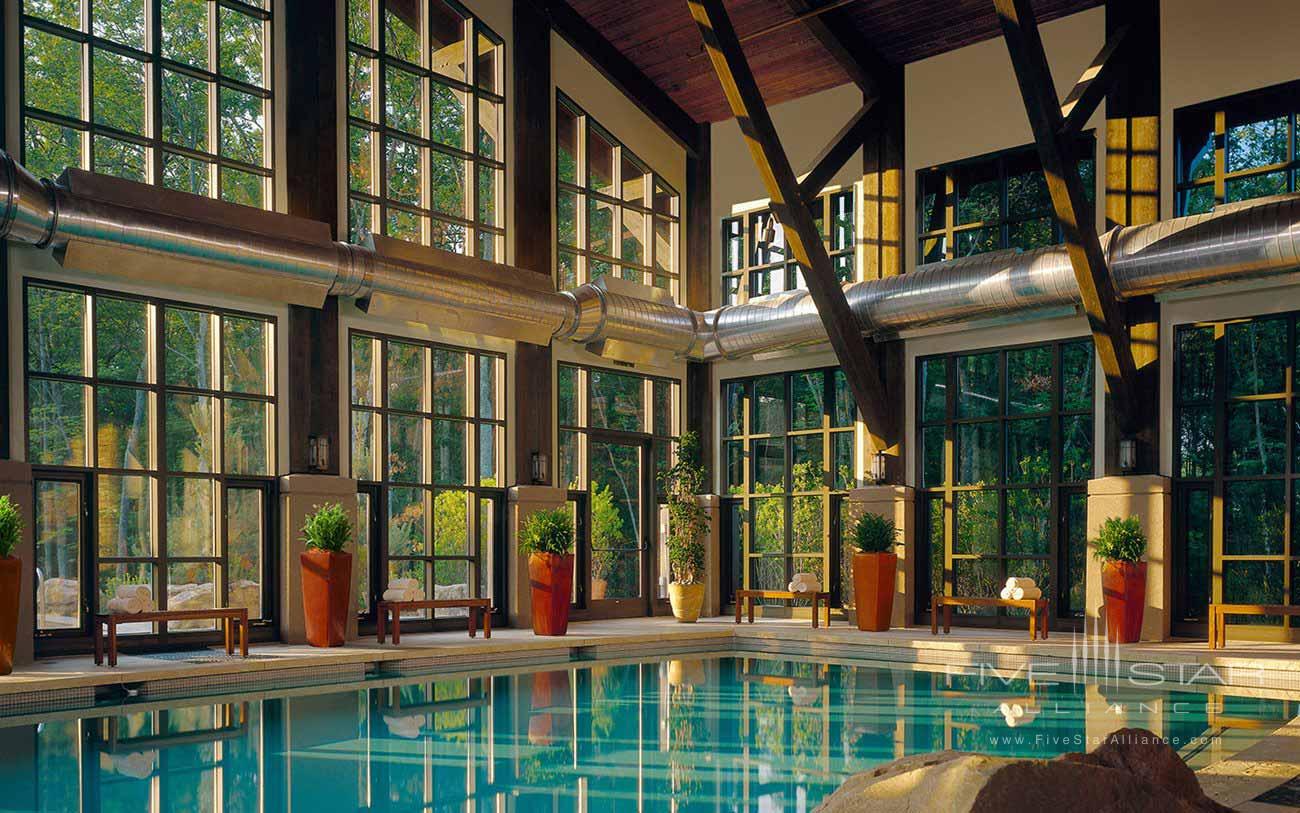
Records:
x=689, y=734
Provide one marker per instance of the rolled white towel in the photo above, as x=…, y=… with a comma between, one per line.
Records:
x=140, y=591
x=408, y=726
x=1022, y=593
x=404, y=584
x=126, y=605
x=1020, y=581
x=805, y=583
x=1006, y=593
x=392, y=594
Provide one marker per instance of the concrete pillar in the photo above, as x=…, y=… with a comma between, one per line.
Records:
x=899, y=504
x=1147, y=497
x=300, y=495
x=525, y=500
x=16, y=481
x=712, y=503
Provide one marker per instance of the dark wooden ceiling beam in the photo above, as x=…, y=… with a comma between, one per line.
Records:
x=834, y=155
x=1093, y=85
x=863, y=64
x=620, y=71
x=1100, y=301
x=802, y=234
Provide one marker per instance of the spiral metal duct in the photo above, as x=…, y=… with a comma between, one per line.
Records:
x=1241, y=241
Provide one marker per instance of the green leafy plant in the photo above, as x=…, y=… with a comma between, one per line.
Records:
x=547, y=531
x=873, y=533
x=1120, y=540
x=11, y=526
x=688, y=521
x=328, y=528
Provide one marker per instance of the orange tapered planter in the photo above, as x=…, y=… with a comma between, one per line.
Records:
x=1124, y=588
x=326, y=594
x=550, y=579
x=873, y=589
x=11, y=570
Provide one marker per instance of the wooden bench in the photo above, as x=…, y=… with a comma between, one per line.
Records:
x=228, y=616
x=396, y=608
x=750, y=595
x=1219, y=627
x=1037, y=607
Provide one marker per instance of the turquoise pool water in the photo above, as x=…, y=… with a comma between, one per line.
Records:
x=709, y=733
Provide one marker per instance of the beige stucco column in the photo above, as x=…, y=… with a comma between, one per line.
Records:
x=524, y=500
x=899, y=504
x=300, y=495
x=1147, y=497
x=713, y=553
x=16, y=481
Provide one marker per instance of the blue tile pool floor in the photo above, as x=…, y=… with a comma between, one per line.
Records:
x=729, y=733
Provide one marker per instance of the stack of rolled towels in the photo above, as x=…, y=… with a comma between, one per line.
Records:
x=1019, y=587
x=404, y=590
x=805, y=583
x=1017, y=714
x=131, y=599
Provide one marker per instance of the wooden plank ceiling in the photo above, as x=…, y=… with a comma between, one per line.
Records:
x=661, y=39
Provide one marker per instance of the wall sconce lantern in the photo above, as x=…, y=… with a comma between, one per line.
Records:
x=1128, y=457
x=541, y=467
x=318, y=452
x=879, y=467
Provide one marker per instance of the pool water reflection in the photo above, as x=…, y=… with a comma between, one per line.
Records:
x=710, y=733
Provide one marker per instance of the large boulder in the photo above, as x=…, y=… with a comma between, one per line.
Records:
x=1133, y=770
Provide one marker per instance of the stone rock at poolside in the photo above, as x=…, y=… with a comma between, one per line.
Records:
x=1132, y=770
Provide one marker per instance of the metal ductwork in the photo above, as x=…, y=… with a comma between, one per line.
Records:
x=115, y=227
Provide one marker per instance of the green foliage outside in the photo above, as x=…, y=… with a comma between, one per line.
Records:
x=329, y=529
x=547, y=531
x=873, y=533
x=1120, y=540
x=607, y=534
x=11, y=526
x=688, y=522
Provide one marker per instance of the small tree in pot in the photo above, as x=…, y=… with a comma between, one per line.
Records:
x=547, y=537
x=326, y=575
x=11, y=581
x=874, y=567
x=1120, y=545
x=688, y=522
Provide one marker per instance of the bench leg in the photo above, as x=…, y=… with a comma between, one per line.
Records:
x=1033, y=624
x=947, y=619
x=934, y=616
x=383, y=615
x=112, y=642
x=1046, y=625
x=487, y=622
x=99, y=642
x=226, y=630
x=472, y=621
x=751, y=610
x=740, y=604
x=814, y=611
x=243, y=635
x=397, y=626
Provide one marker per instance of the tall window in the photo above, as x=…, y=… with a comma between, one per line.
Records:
x=153, y=424
x=613, y=214
x=756, y=261
x=1237, y=466
x=991, y=203
x=183, y=101
x=618, y=433
x=1004, y=454
x=426, y=150
x=1238, y=148
x=428, y=445
x=788, y=453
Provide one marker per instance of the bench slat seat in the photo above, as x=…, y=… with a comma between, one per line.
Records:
x=1038, y=611
x=823, y=598
x=1218, y=637
x=394, y=610
x=228, y=616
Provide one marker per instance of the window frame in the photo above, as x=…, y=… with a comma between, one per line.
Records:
x=1061, y=491
x=583, y=193
x=834, y=498
x=376, y=200
x=158, y=473
x=380, y=489
x=1216, y=118
x=740, y=282
x=154, y=64
x=947, y=205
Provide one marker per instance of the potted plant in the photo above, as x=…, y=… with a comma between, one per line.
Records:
x=11, y=581
x=326, y=575
x=688, y=522
x=1120, y=545
x=874, y=567
x=547, y=538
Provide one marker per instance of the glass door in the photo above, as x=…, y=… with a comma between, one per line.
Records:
x=617, y=566
x=63, y=600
